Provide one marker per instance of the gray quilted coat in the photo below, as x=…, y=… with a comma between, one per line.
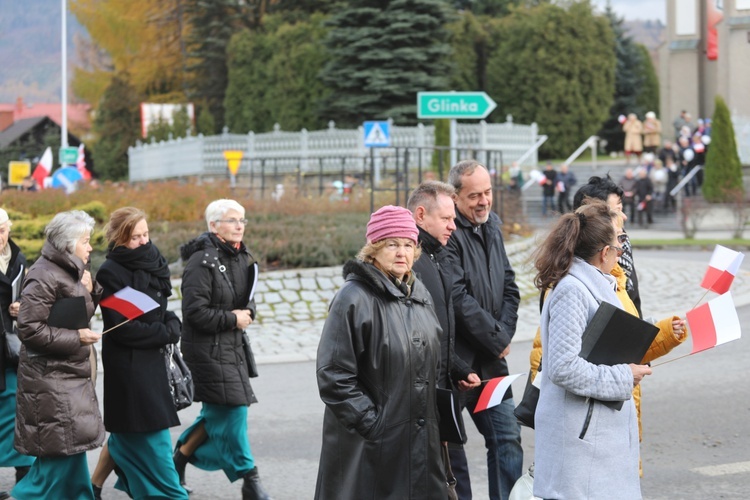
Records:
x=583, y=449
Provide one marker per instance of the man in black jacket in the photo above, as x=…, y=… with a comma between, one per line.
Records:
x=486, y=300
x=431, y=203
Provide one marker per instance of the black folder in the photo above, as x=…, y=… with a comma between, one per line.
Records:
x=69, y=313
x=613, y=337
x=449, y=411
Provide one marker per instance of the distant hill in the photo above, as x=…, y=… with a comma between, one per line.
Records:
x=30, y=55
x=649, y=33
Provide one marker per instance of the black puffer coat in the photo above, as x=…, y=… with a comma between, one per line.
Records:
x=211, y=342
x=377, y=370
x=16, y=265
x=486, y=295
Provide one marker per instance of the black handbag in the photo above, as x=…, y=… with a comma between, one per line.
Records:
x=526, y=409
x=12, y=347
x=180, y=378
x=252, y=368
x=11, y=344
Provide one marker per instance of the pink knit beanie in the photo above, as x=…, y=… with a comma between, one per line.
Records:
x=391, y=222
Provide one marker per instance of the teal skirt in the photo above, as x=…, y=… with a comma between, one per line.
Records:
x=228, y=446
x=9, y=457
x=144, y=465
x=50, y=477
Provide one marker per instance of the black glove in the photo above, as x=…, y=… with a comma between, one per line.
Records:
x=174, y=327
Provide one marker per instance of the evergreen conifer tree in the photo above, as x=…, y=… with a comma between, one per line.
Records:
x=213, y=22
x=382, y=53
x=629, y=83
x=723, y=172
x=118, y=127
x=648, y=97
x=554, y=66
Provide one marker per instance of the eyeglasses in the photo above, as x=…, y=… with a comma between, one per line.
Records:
x=619, y=250
x=622, y=238
x=234, y=222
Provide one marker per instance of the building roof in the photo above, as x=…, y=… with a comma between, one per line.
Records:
x=18, y=129
x=22, y=127
x=78, y=114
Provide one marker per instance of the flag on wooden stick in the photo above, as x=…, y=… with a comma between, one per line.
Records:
x=722, y=268
x=493, y=392
x=129, y=302
x=714, y=323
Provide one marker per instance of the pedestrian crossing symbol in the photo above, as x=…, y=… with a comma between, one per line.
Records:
x=377, y=134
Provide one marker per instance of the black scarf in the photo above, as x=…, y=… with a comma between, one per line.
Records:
x=225, y=247
x=148, y=265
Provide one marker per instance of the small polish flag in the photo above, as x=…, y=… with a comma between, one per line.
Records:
x=493, y=392
x=713, y=323
x=722, y=268
x=43, y=168
x=130, y=303
x=81, y=164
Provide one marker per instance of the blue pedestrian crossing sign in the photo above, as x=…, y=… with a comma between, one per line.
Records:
x=377, y=134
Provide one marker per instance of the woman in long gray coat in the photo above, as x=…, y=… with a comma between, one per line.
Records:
x=583, y=448
x=58, y=417
x=377, y=371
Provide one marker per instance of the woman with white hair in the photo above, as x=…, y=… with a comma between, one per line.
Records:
x=58, y=417
x=12, y=267
x=216, y=308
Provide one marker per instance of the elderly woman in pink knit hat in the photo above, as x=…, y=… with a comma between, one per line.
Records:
x=377, y=370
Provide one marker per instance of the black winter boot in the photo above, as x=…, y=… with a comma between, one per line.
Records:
x=251, y=487
x=180, y=462
x=21, y=473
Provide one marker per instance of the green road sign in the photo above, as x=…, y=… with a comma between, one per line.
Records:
x=467, y=105
x=68, y=156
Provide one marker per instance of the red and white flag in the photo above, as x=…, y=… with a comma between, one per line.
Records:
x=130, y=303
x=493, y=392
x=714, y=323
x=43, y=168
x=722, y=268
x=81, y=163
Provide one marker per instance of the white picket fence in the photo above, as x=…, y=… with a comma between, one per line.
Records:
x=312, y=151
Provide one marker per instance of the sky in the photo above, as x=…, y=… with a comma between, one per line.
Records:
x=637, y=9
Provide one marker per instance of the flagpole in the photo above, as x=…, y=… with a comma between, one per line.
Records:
x=64, y=45
x=110, y=329
x=702, y=297
x=670, y=360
